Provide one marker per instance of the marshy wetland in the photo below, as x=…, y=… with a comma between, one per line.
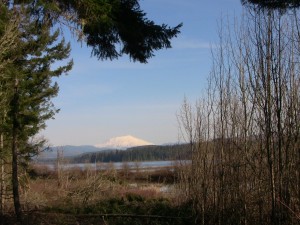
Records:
x=115, y=195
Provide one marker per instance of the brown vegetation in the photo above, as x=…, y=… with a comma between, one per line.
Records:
x=86, y=196
x=244, y=133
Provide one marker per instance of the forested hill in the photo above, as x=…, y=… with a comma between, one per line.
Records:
x=142, y=153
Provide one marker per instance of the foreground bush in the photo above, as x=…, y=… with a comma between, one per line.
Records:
x=131, y=209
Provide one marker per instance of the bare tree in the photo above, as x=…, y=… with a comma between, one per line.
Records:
x=247, y=128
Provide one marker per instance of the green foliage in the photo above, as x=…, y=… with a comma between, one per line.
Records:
x=273, y=4
x=110, y=28
x=3, y=18
x=28, y=52
x=30, y=75
x=135, y=206
x=127, y=26
x=131, y=197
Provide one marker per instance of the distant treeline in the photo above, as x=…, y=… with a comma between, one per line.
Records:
x=143, y=153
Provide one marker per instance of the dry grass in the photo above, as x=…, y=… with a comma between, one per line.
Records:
x=83, y=196
x=79, y=187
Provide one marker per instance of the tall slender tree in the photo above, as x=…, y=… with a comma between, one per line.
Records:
x=9, y=35
x=29, y=88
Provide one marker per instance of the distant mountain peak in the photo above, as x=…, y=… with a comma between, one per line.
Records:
x=123, y=142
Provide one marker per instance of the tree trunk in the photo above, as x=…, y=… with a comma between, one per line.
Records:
x=270, y=149
x=2, y=178
x=15, y=180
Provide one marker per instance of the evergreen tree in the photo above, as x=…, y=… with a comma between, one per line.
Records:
x=9, y=35
x=29, y=88
x=111, y=28
x=273, y=4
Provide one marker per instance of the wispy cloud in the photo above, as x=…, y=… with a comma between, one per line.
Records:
x=87, y=64
x=191, y=43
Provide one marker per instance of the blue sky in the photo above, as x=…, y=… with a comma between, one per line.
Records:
x=104, y=99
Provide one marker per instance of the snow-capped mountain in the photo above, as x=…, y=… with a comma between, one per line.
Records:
x=123, y=142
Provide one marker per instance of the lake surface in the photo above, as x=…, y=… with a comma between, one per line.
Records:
x=117, y=165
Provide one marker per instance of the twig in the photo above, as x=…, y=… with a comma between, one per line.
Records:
x=119, y=215
x=292, y=211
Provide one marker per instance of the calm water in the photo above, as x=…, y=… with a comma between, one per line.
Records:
x=118, y=165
